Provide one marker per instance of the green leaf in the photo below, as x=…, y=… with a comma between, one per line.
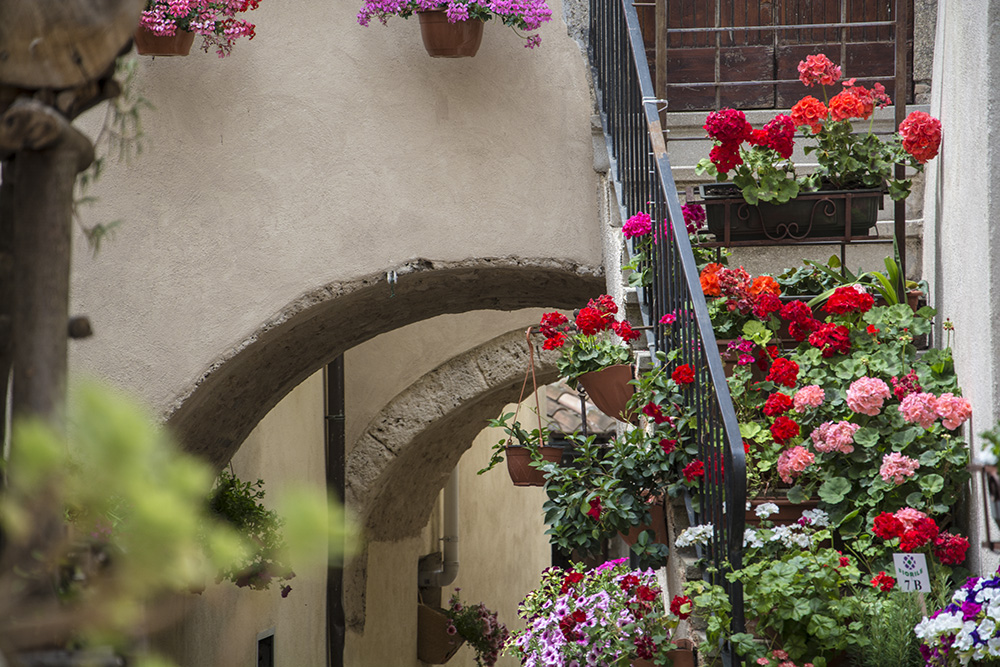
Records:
x=797, y=495
x=834, y=490
x=932, y=484
x=866, y=436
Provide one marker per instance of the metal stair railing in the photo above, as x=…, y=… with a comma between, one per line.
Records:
x=640, y=170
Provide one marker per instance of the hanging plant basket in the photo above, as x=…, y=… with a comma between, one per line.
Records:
x=610, y=391
x=150, y=44
x=449, y=40
x=520, y=470
x=434, y=645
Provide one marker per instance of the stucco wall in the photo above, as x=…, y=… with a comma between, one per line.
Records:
x=319, y=152
x=961, y=209
x=503, y=551
x=221, y=625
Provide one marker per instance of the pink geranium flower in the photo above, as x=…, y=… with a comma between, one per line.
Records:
x=835, y=437
x=896, y=468
x=953, y=410
x=866, y=395
x=920, y=409
x=792, y=462
x=808, y=397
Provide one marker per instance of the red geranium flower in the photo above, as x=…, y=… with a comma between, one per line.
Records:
x=950, y=549
x=681, y=606
x=550, y=323
x=923, y=531
x=784, y=372
x=796, y=311
x=694, y=469
x=555, y=341
x=625, y=331
x=569, y=580
x=595, y=509
x=728, y=127
x=809, y=111
x=668, y=445
x=765, y=304
x=848, y=299
x=654, y=412
x=645, y=593
x=818, y=69
x=683, y=374
x=589, y=321
x=921, y=135
x=831, y=339
x=784, y=429
x=883, y=582
x=801, y=330
x=777, y=404
x=887, y=526
x=725, y=157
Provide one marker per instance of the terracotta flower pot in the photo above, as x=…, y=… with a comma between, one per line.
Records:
x=434, y=645
x=520, y=470
x=658, y=524
x=610, y=391
x=151, y=44
x=449, y=40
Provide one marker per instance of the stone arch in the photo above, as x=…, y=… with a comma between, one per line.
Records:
x=215, y=414
x=399, y=464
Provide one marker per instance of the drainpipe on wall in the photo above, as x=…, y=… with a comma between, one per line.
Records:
x=449, y=567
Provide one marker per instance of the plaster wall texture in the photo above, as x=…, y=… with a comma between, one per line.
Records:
x=320, y=152
x=382, y=367
x=961, y=208
x=502, y=551
x=221, y=625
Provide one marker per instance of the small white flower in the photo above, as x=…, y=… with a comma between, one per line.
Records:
x=765, y=510
x=752, y=539
x=749, y=505
x=695, y=535
x=817, y=518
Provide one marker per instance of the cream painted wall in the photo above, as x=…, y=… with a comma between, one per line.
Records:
x=381, y=368
x=503, y=551
x=221, y=625
x=320, y=152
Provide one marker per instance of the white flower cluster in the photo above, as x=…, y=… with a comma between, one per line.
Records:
x=792, y=536
x=695, y=535
x=765, y=510
x=967, y=628
x=752, y=539
x=817, y=518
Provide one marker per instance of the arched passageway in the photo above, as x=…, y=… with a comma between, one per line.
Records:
x=216, y=413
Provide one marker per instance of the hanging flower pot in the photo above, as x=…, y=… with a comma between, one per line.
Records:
x=443, y=39
x=658, y=524
x=150, y=44
x=610, y=391
x=434, y=645
x=519, y=464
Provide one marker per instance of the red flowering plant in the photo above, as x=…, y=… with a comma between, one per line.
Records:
x=593, y=341
x=741, y=306
x=760, y=159
x=608, y=488
x=608, y=615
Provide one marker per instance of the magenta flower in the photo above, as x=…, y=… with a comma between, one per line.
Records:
x=639, y=224
x=669, y=318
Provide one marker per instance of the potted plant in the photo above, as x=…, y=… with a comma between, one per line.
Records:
x=608, y=615
x=853, y=173
x=454, y=29
x=594, y=351
x=524, y=451
x=615, y=488
x=479, y=626
x=238, y=504
x=168, y=27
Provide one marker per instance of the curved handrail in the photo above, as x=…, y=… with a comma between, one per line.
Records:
x=641, y=172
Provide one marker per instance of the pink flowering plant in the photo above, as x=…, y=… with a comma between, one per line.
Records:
x=522, y=16
x=640, y=237
x=608, y=615
x=862, y=423
x=478, y=626
x=760, y=159
x=217, y=21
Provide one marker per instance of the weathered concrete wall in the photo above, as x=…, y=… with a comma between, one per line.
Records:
x=319, y=154
x=962, y=239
